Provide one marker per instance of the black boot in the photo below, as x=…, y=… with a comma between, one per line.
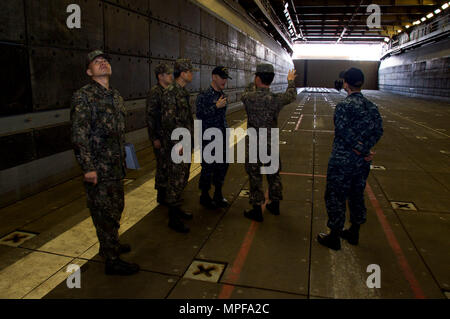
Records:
x=352, y=234
x=161, y=198
x=183, y=214
x=119, y=267
x=330, y=240
x=274, y=207
x=175, y=220
x=122, y=249
x=206, y=200
x=255, y=213
x=219, y=200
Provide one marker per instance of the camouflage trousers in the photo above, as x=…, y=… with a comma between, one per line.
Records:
x=161, y=168
x=256, y=182
x=213, y=172
x=346, y=182
x=106, y=202
x=177, y=179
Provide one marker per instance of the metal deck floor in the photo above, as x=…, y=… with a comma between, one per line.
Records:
x=279, y=258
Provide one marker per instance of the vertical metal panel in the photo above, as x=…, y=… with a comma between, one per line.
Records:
x=232, y=58
x=221, y=32
x=141, y=6
x=51, y=86
x=226, y=56
x=231, y=83
x=190, y=46
x=12, y=21
x=189, y=16
x=126, y=32
x=232, y=37
x=15, y=80
x=250, y=46
x=252, y=63
x=16, y=149
x=242, y=41
x=207, y=25
x=164, y=41
x=208, y=51
x=52, y=140
x=135, y=119
x=240, y=77
x=259, y=50
x=240, y=59
x=247, y=61
x=205, y=76
x=165, y=10
x=131, y=76
x=220, y=54
x=46, y=20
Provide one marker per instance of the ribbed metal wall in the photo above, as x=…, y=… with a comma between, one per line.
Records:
x=422, y=71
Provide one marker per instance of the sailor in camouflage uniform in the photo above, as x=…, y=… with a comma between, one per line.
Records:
x=98, y=137
x=263, y=107
x=211, y=110
x=358, y=127
x=176, y=113
x=164, y=76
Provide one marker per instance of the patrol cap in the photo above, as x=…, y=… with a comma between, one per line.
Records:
x=182, y=65
x=163, y=68
x=94, y=54
x=265, y=68
x=354, y=77
x=222, y=72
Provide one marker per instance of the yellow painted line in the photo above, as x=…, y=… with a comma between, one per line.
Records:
x=38, y=273
x=432, y=129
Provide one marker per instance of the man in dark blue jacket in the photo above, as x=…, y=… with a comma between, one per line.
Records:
x=211, y=110
x=358, y=127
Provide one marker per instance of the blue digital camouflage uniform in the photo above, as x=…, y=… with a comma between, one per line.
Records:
x=175, y=112
x=263, y=107
x=358, y=125
x=155, y=133
x=212, y=116
x=98, y=137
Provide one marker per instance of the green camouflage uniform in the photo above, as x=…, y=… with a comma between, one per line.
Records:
x=155, y=133
x=175, y=112
x=263, y=107
x=98, y=137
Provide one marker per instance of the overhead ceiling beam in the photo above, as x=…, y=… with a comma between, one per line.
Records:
x=271, y=16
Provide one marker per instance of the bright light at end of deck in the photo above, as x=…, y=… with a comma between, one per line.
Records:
x=338, y=51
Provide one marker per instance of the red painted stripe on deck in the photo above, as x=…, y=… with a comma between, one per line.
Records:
x=239, y=261
x=299, y=121
x=401, y=259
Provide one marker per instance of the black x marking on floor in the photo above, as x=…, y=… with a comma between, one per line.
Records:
x=402, y=205
x=203, y=270
x=16, y=238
